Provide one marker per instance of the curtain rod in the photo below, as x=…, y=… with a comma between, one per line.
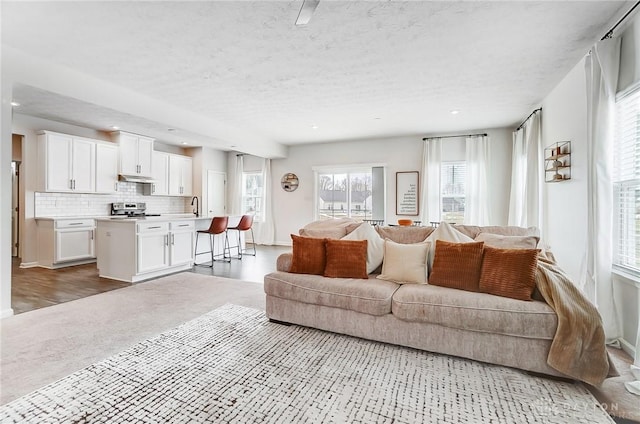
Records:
x=530, y=115
x=609, y=33
x=456, y=136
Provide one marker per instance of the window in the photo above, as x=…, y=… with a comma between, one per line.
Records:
x=252, y=194
x=452, y=197
x=626, y=183
x=351, y=192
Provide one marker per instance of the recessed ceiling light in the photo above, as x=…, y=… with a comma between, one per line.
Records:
x=315, y=127
x=233, y=145
x=15, y=104
x=455, y=112
x=115, y=127
x=171, y=129
x=377, y=119
x=184, y=142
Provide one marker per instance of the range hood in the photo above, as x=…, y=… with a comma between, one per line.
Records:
x=136, y=179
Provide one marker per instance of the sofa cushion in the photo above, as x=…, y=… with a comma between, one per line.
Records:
x=329, y=228
x=404, y=235
x=509, y=272
x=309, y=255
x=508, y=242
x=375, y=244
x=479, y=312
x=405, y=263
x=346, y=259
x=370, y=296
x=457, y=265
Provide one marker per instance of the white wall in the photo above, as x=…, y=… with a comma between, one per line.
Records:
x=293, y=210
x=564, y=117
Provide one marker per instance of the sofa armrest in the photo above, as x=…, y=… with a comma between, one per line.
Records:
x=284, y=262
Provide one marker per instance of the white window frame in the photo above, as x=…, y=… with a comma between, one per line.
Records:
x=258, y=217
x=625, y=179
x=444, y=164
x=344, y=169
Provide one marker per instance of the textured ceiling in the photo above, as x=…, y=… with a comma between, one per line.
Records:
x=358, y=70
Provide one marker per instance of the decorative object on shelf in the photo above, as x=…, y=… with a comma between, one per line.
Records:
x=557, y=162
x=405, y=222
x=407, y=193
x=289, y=182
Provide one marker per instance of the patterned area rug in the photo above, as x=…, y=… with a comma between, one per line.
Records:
x=233, y=365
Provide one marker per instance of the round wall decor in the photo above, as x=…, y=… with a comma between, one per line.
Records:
x=289, y=182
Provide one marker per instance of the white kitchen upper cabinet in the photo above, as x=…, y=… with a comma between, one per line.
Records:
x=136, y=154
x=106, y=168
x=160, y=174
x=55, y=153
x=83, y=165
x=180, y=175
x=66, y=163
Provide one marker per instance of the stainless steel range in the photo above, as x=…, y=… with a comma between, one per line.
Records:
x=130, y=210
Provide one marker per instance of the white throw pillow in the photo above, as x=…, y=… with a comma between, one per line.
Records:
x=405, y=263
x=375, y=244
x=444, y=232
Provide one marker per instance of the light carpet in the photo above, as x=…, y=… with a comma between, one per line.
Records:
x=233, y=365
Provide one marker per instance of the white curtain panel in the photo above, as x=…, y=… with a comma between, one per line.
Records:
x=601, y=68
x=266, y=228
x=236, y=189
x=476, y=188
x=431, y=163
x=525, y=203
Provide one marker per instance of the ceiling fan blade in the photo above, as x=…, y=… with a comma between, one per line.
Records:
x=307, y=9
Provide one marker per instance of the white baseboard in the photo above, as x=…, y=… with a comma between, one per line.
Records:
x=28, y=264
x=628, y=347
x=6, y=313
x=283, y=243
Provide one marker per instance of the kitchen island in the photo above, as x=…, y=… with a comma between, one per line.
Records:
x=137, y=249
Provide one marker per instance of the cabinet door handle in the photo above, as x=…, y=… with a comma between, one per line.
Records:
x=173, y=239
x=166, y=239
x=74, y=184
x=153, y=188
x=115, y=186
x=154, y=228
x=70, y=184
x=75, y=223
x=92, y=234
x=183, y=225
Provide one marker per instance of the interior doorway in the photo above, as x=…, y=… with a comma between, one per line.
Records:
x=216, y=193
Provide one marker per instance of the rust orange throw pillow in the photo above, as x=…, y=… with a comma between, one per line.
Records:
x=457, y=265
x=309, y=255
x=509, y=272
x=346, y=259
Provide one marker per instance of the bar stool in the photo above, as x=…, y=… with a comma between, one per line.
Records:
x=218, y=226
x=245, y=224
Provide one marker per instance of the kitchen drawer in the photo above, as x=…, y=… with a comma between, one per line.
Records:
x=75, y=223
x=145, y=227
x=182, y=225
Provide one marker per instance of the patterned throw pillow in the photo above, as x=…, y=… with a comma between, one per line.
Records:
x=509, y=272
x=405, y=263
x=508, y=242
x=346, y=259
x=457, y=265
x=309, y=255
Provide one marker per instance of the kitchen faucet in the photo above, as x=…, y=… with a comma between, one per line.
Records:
x=195, y=199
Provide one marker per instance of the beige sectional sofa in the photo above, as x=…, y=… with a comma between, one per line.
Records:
x=477, y=326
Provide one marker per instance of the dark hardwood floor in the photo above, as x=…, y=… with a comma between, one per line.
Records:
x=34, y=288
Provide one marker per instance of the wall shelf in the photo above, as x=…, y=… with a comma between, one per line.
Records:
x=557, y=162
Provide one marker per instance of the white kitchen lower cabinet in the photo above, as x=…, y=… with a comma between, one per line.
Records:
x=65, y=241
x=139, y=249
x=152, y=247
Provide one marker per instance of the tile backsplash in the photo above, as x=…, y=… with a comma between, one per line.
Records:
x=73, y=204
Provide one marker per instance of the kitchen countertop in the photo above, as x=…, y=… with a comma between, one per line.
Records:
x=162, y=217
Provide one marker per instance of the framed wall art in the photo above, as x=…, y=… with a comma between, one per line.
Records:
x=408, y=193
